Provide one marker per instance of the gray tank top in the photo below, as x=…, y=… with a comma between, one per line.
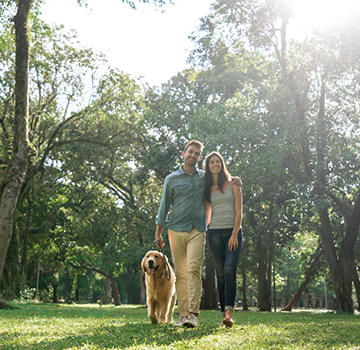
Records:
x=223, y=209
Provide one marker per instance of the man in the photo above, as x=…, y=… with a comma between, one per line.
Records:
x=183, y=190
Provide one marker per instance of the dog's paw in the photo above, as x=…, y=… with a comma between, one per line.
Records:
x=154, y=320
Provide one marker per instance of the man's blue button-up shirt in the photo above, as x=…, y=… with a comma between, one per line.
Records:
x=185, y=195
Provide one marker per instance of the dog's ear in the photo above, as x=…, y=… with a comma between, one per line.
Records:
x=165, y=261
x=143, y=265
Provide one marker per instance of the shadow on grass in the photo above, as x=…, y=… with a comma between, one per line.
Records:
x=49, y=326
x=120, y=336
x=69, y=311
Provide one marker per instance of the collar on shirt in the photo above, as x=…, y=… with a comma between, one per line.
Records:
x=181, y=170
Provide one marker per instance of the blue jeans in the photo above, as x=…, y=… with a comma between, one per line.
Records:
x=225, y=262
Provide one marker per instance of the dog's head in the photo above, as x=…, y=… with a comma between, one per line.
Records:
x=154, y=263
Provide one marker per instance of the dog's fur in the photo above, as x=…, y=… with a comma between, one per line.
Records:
x=161, y=295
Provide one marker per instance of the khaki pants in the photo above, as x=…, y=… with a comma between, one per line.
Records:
x=187, y=251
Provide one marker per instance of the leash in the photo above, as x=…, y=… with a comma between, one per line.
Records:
x=161, y=250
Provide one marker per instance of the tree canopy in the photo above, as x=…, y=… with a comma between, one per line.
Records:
x=85, y=159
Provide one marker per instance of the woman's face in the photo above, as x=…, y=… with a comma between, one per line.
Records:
x=215, y=165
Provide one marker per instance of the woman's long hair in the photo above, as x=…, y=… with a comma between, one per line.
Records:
x=224, y=175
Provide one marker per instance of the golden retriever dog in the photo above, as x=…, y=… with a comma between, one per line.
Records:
x=160, y=286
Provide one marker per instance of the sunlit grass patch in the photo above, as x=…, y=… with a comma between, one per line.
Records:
x=89, y=326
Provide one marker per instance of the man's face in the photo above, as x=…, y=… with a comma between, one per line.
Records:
x=192, y=155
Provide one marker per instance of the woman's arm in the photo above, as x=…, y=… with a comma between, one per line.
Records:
x=233, y=241
x=207, y=212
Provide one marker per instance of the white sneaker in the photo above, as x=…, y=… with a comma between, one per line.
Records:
x=181, y=321
x=191, y=322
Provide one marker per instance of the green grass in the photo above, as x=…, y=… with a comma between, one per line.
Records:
x=48, y=326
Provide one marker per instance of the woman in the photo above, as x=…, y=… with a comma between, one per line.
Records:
x=223, y=210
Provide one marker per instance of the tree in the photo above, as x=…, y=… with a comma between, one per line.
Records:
x=308, y=275
x=326, y=139
x=15, y=167
x=306, y=73
x=48, y=80
x=15, y=164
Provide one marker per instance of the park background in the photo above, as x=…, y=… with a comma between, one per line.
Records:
x=82, y=161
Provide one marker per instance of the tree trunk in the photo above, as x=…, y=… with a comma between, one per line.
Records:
x=5, y=305
x=5, y=287
x=143, y=289
x=274, y=284
x=339, y=275
x=308, y=275
x=115, y=291
x=12, y=281
x=66, y=282
x=209, y=298
x=341, y=271
x=357, y=285
x=25, y=240
x=245, y=305
x=108, y=292
x=264, y=279
x=55, y=292
x=264, y=275
x=114, y=286
x=341, y=266
x=347, y=257
x=264, y=286
x=11, y=183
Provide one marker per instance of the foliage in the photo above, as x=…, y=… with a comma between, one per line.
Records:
x=27, y=294
x=295, y=126
x=102, y=145
x=67, y=202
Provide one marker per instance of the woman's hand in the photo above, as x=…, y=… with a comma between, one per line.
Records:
x=237, y=181
x=233, y=242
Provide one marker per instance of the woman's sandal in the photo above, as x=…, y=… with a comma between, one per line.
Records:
x=228, y=322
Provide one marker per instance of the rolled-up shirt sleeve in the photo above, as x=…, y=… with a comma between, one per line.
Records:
x=164, y=204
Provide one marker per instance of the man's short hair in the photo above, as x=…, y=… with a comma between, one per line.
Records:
x=195, y=143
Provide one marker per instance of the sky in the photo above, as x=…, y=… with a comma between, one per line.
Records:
x=144, y=42
x=154, y=45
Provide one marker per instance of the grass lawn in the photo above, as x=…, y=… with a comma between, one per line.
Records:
x=49, y=326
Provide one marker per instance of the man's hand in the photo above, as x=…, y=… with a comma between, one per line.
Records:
x=158, y=237
x=237, y=181
x=160, y=244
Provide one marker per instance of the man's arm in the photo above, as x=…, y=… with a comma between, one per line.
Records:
x=162, y=213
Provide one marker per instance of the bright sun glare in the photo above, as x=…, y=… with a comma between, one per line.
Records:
x=325, y=12
x=311, y=14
